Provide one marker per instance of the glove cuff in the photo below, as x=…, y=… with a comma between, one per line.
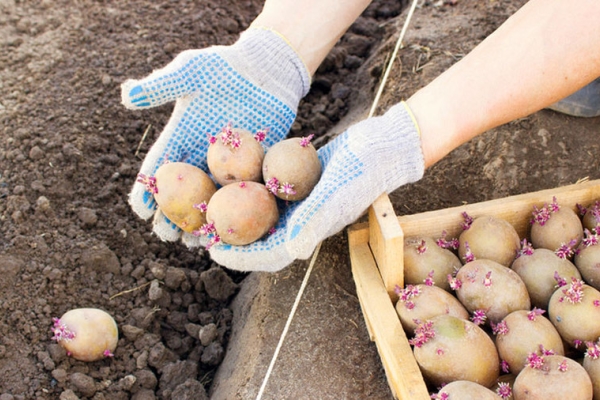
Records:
x=266, y=58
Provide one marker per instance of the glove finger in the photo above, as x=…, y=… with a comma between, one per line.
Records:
x=163, y=85
x=267, y=254
x=164, y=228
x=142, y=201
x=193, y=241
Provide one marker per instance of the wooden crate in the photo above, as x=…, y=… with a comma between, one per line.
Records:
x=376, y=255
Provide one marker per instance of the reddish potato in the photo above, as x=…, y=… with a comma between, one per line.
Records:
x=553, y=377
x=181, y=192
x=292, y=168
x=87, y=334
x=489, y=238
x=235, y=155
x=242, y=212
x=449, y=349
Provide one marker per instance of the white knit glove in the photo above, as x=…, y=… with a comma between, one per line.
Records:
x=373, y=157
x=254, y=84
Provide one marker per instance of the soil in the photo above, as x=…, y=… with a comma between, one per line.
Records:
x=189, y=328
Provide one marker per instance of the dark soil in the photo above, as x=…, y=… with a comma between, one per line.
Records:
x=70, y=152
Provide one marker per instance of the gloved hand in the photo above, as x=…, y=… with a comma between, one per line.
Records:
x=256, y=83
x=372, y=157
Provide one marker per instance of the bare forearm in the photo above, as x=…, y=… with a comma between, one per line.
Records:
x=546, y=51
x=311, y=26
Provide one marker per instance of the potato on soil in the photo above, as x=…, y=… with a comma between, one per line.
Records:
x=553, y=378
x=422, y=302
x=540, y=269
x=574, y=309
x=449, y=349
x=87, y=334
x=242, y=212
x=424, y=258
x=466, y=390
x=591, y=363
x=181, y=189
x=485, y=285
x=554, y=226
x=234, y=155
x=524, y=332
x=291, y=168
x=490, y=238
x=587, y=259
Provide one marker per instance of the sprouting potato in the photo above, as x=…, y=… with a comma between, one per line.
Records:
x=425, y=259
x=490, y=238
x=291, y=168
x=422, y=302
x=241, y=213
x=449, y=348
x=542, y=270
x=552, y=377
x=87, y=334
x=236, y=155
x=554, y=227
x=181, y=191
x=524, y=332
x=487, y=287
x=574, y=309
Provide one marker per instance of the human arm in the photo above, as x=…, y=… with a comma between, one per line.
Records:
x=533, y=60
x=312, y=27
x=547, y=50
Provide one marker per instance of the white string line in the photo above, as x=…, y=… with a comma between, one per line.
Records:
x=316, y=252
x=393, y=57
x=289, y=321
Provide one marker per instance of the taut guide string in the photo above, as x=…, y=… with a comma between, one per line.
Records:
x=316, y=252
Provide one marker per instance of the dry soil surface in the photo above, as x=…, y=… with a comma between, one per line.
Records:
x=190, y=329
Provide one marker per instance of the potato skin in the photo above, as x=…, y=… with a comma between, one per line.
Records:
x=524, y=336
x=592, y=367
x=229, y=164
x=428, y=303
x=181, y=186
x=490, y=238
x=242, y=212
x=549, y=382
x=422, y=255
x=562, y=227
x=587, y=261
x=291, y=162
x=576, y=321
x=467, y=390
x=499, y=295
x=460, y=350
x=94, y=331
x=537, y=271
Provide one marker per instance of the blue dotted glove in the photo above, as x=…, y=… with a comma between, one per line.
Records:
x=373, y=157
x=254, y=84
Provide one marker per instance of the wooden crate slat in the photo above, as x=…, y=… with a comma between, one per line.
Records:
x=387, y=243
x=402, y=370
x=515, y=209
